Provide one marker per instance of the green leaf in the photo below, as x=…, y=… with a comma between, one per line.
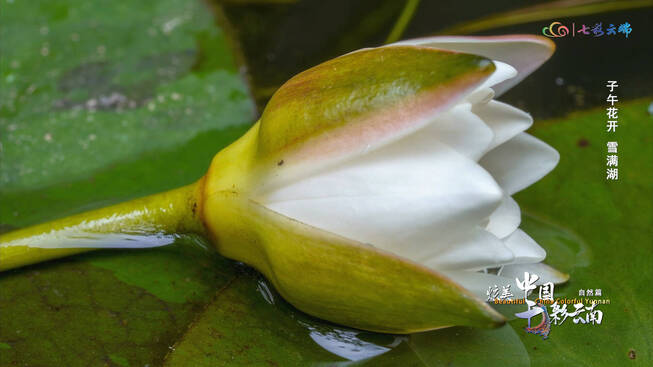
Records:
x=248, y=324
x=612, y=220
x=85, y=311
x=82, y=89
x=459, y=346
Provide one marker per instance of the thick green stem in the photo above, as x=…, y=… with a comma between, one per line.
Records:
x=152, y=218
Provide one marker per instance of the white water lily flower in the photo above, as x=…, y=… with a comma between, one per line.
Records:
x=441, y=195
x=374, y=191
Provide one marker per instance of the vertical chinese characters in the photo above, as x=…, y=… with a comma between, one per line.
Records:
x=612, y=113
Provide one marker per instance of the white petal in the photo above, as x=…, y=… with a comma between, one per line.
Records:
x=545, y=272
x=484, y=93
x=505, y=219
x=459, y=129
x=505, y=120
x=480, y=96
x=524, y=52
x=502, y=73
x=424, y=243
x=484, y=251
x=520, y=162
x=524, y=248
x=393, y=195
x=479, y=283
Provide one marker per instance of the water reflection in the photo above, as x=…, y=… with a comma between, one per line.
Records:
x=265, y=291
x=350, y=344
x=71, y=238
x=347, y=343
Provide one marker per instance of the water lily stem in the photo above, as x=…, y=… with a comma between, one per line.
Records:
x=402, y=22
x=541, y=12
x=137, y=223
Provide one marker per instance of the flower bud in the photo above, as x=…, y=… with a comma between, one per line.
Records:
x=375, y=190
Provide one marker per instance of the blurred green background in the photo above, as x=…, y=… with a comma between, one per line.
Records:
x=105, y=101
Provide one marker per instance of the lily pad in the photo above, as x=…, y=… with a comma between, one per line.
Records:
x=106, y=307
x=83, y=89
x=249, y=324
x=613, y=219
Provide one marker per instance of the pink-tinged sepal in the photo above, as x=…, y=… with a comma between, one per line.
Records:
x=360, y=101
x=522, y=51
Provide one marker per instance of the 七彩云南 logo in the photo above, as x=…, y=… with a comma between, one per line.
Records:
x=558, y=30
